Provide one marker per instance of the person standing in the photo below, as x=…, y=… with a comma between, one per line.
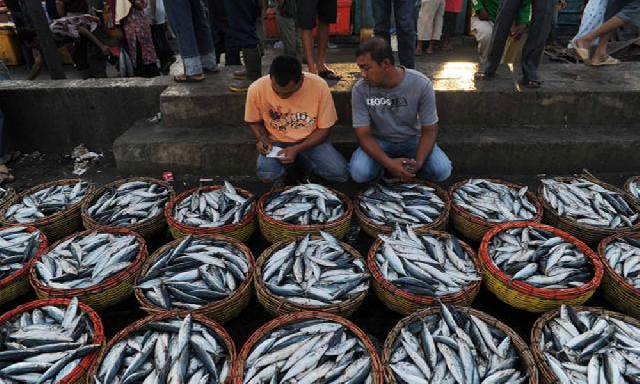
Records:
x=405, y=27
x=285, y=17
x=324, y=12
x=156, y=13
x=430, y=24
x=452, y=9
x=137, y=30
x=242, y=35
x=220, y=31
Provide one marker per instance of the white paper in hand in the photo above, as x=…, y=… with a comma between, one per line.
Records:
x=275, y=152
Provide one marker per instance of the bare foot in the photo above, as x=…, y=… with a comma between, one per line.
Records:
x=419, y=51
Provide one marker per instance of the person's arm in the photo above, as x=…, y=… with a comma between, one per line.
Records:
x=37, y=64
x=60, y=8
x=428, y=117
x=426, y=143
x=153, y=6
x=288, y=155
x=478, y=7
x=371, y=147
x=263, y=142
x=253, y=117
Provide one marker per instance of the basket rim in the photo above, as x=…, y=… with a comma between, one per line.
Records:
x=5, y=205
x=468, y=291
x=602, y=246
x=137, y=325
x=627, y=183
x=24, y=271
x=268, y=253
x=280, y=321
x=147, y=305
x=529, y=290
x=11, y=193
x=107, y=283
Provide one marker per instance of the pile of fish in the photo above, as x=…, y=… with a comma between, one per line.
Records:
x=401, y=203
x=584, y=347
x=623, y=255
x=455, y=347
x=494, y=202
x=168, y=351
x=46, y=202
x=589, y=203
x=540, y=258
x=211, y=209
x=315, y=272
x=17, y=248
x=45, y=344
x=194, y=273
x=305, y=204
x=130, y=203
x=634, y=189
x=87, y=260
x=424, y=264
x=306, y=352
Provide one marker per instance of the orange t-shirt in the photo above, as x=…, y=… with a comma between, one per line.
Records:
x=293, y=119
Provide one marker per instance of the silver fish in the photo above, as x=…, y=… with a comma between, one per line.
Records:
x=5, y=193
x=194, y=273
x=634, y=189
x=494, y=202
x=46, y=202
x=305, y=204
x=540, y=258
x=316, y=272
x=623, y=255
x=17, y=248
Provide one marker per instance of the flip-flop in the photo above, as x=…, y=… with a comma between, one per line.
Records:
x=188, y=79
x=329, y=75
x=608, y=61
x=583, y=53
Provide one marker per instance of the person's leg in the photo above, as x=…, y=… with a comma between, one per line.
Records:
x=204, y=39
x=327, y=14
x=325, y=161
x=448, y=30
x=382, y=18
x=542, y=13
x=242, y=16
x=501, y=29
x=288, y=35
x=181, y=20
x=404, y=11
x=423, y=26
x=269, y=169
x=482, y=30
x=363, y=168
x=437, y=167
x=601, y=32
x=306, y=15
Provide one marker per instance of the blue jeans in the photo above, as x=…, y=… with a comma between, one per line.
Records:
x=188, y=19
x=364, y=169
x=323, y=160
x=405, y=14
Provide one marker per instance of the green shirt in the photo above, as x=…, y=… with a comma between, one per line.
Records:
x=492, y=6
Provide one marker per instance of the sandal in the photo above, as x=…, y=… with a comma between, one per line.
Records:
x=188, y=79
x=531, y=83
x=583, y=53
x=608, y=61
x=328, y=74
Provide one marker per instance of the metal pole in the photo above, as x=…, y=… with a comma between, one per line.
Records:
x=45, y=38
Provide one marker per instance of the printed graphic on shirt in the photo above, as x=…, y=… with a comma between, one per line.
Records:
x=386, y=103
x=281, y=121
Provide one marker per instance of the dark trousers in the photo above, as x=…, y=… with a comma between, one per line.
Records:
x=88, y=58
x=220, y=31
x=542, y=15
x=161, y=44
x=405, y=15
x=241, y=19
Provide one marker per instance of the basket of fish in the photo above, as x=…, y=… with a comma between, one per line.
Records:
x=135, y=203
x=49, y=341
x=52, y=207
x=421, y=204
x=620, y=255
x=632, y=185
x=209, y=275
x=99, y=267
x=167, y=348
x=456, y=345
x=575, y=345
x=307, y=208
x=588, y=208
x=412, y=271
x=308, y=347
x=6, y=194
x=311, y=273
x=20, y=246
x=217, y=209
x=477, y=205
x=537, y=268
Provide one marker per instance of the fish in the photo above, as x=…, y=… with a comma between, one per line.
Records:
x=634, y=189
x=305, y=204
x=309, y=351
x=194, y=273
x=589, y=203
x=588, y=347
x=129, y=203
x=623, y=256
x=315, y=271
x=17, y=247
x=46, y=202
x=44, y=344
x=86, y=260
x=540, y=259
x=169, y=351
x=391, y=203
x=216, y=208
x=494, y=202
x=5, y=194
x=453, y=346
x=425, y=264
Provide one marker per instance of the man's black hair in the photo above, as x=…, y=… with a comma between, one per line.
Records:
x=285, y=69
x=378, y=48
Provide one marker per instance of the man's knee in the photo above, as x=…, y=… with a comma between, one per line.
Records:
x=362, y=172
x=441, y=172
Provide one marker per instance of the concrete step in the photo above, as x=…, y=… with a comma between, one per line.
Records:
x=572, y=95
x=230, y=150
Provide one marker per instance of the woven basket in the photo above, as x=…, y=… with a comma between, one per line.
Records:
x=376, y=364
x=523, y=296
x=589, y=234
x=241, y=231
x=79, y=374
x=55, y=226
x=138, y=325
x=221, y=310
x=110, y=291
x=627, y=184
x=278, y=305
x=616, y=290
x=547, y=375
x=11, y=193
x=526, y=358
x=147, y=229
x=473, y=227
x=404, y=302
x=373, y=229
x=273, y=230
x=17, y=284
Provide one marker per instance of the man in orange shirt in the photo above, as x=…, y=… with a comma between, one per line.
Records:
x=293, y=111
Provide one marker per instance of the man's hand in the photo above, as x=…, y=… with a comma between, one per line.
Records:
x=517, y=31
x=398, y=168
x=483, y=15
x=264, y=146
x=288, y=155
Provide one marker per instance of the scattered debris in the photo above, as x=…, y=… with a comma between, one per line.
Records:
x=156, y=118
x=83, y=159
